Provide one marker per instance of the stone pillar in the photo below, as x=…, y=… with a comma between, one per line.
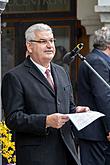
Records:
x=103, y=9
x=89, y=19
x=91, y=24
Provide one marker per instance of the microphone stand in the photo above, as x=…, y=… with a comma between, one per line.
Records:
x=85, y=61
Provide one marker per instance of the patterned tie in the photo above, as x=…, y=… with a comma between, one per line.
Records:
x=48, y=76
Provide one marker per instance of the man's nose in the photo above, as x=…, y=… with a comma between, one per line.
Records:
x=49, y=43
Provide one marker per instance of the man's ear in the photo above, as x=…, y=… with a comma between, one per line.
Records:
x=29, y=47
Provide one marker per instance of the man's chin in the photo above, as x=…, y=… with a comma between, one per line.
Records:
x=50, y=56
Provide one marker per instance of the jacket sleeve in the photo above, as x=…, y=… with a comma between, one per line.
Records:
x=14, y=108
x=100, y=91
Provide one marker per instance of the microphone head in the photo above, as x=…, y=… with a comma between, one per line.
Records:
x=80, y=46
x=67, y=59
x=77, y=48
x=70, y=56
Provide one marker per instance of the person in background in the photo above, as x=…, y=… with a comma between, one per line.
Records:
x=94, y=139
x=36, y=98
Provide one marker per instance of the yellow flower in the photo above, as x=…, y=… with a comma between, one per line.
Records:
x=8, y=147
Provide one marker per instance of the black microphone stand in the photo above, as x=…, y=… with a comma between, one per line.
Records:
x=85, y=61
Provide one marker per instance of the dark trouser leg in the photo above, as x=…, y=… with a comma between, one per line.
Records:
x=92, y=152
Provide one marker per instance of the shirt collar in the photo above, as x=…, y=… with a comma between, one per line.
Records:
x=40, y=67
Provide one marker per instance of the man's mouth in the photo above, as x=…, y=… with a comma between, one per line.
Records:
x=48, y=51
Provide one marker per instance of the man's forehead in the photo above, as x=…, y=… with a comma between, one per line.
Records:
x=44, y=33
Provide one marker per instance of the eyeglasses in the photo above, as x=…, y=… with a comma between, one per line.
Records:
x=44, y=42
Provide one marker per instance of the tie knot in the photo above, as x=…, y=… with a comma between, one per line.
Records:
x=47, y=72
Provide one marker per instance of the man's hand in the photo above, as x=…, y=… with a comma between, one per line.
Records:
x=82, y=109
x=56, y=120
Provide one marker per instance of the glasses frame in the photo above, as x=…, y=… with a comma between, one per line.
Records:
x=43, y=41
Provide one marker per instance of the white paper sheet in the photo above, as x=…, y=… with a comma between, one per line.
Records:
x=81, y=120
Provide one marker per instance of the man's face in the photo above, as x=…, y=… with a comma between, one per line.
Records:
x=42, y=51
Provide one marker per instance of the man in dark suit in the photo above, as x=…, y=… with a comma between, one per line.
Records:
x=92, y=92
x=36, y=97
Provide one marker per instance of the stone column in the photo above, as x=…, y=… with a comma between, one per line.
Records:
x=91, y=24
x=89, y=19
x=103, y=9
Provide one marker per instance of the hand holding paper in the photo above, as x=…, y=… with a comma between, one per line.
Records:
x=81, y=120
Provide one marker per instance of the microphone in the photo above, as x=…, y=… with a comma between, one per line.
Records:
x=70, y=56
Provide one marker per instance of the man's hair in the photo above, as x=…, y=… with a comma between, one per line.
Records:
x=30, y=32
x=102, y=38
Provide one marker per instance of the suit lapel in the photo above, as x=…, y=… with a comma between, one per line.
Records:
x=33, y=70
x=58, y=86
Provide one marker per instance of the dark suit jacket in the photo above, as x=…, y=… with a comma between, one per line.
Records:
x=94, y=93
x=27, y=99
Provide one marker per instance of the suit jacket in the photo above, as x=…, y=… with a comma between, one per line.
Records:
x=27, y=99
x=94, y=93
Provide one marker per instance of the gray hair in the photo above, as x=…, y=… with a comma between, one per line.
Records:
x=102, y=38
x=30, y=32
